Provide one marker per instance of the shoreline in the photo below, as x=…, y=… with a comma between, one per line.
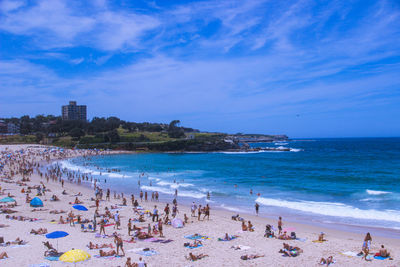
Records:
x=220, y=253
x=301, y=219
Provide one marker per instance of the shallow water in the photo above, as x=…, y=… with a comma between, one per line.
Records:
x=338, y=181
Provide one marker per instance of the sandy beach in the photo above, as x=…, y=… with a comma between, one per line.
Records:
x=174, y=253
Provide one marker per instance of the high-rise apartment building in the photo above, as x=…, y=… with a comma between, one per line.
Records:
x=73, y=111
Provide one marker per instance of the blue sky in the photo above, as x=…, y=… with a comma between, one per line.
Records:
x=301, y=68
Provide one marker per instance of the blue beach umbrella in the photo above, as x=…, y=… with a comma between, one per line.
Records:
x=80, y=207
x=36, y=202
x=56, y=235
x=7, y=199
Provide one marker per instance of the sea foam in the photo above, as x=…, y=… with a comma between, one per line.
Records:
x=375, y=192
x=332, y=209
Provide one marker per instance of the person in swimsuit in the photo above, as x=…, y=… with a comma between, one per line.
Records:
x=119, y=243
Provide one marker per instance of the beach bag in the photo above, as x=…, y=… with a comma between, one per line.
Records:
x=186, y=244
x=293, y=235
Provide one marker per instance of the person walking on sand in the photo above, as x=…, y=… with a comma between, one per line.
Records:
x=366, y=245
x=257, y=208
x=280, y=225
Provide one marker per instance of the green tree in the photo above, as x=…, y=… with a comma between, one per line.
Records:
x=76, y=133
x=174, y=131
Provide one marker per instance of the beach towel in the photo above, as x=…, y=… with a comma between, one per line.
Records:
x=380, y=258
x=107, y=258
x=241, y=247
x=317, y=241
x=151, y=239
x=199, y=245
x=52, y=258
x=350, y=254
x=147, y=253
x=193, y=237
x=301, y=239
x=166, y=241
x=19, y=246
x=135, y=249
x=223, y=239
x=40, y=265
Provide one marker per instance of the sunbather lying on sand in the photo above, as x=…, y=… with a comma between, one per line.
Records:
x=143, y=235
x=40, y=231
x=195, y=244
x=17, y=241
x=193, y=257
x=57, y=211
x=251, y=257
x=284, y=236
x=108, y=253
x=326, y=261
x=96, y=246
x=228, y=237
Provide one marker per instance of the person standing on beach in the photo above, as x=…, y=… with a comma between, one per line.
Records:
x=132, y=199
x=257, y=208
x=193, y=209
x=206, y=212
x=156, y=195
x=280, y=225
x=166, y=210
x=119, y=243
x=152, y=196
x=366, y=245
x=155, y=214
x=102, y=226
x=199, y=213
x=116, y=219
x=108, y=194
x=145, y=196
x=141, y=196
x=160, y=228
x=129, y=226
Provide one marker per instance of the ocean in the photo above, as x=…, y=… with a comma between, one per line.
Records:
x=347, y=182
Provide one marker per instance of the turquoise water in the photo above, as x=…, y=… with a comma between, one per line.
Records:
x=338, y=181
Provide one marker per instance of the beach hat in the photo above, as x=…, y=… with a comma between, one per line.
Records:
x=74, y=256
